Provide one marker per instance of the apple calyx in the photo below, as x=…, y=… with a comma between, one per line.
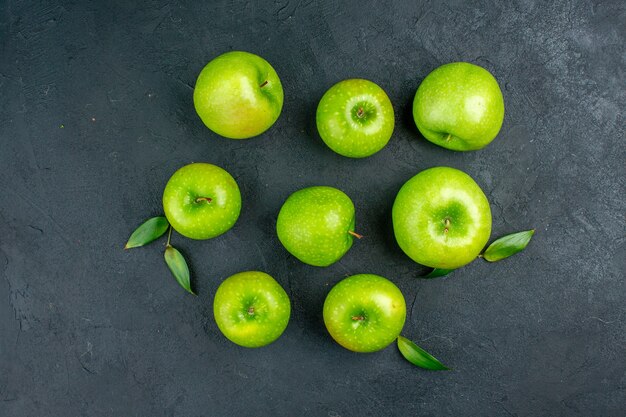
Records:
x=355, y=234
x=251, y=311
x=263, y=84
x=358, y=318
x=207, y=199
x=446, y=223
x=360, y=113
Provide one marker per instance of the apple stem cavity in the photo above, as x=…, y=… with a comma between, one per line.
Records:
x=263, y=84
x=207, y=199
x=355, y=234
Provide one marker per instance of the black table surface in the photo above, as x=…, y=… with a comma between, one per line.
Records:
x=96, y=113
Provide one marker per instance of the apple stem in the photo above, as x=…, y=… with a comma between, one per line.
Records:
x=207, y=199
x=355, y=234
x=448, y=137
x=360, y=112
x=169, y=236
x=358, y=318
x=264, y=84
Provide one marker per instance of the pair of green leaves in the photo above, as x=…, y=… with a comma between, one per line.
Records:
x=502, y=248
x=153, y=229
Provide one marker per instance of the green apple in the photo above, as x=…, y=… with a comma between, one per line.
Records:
x=441, y=218
x=365, y=312
x=355, y=118
x=251, y=309
x=459, y=106
x=316, y=225
x=201, y=201
x=238, y=95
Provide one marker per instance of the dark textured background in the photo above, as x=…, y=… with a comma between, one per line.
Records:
x=96, y=113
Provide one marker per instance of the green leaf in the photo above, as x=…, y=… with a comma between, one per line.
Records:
x=150, y=230
x=418, y=356
x=177, y=264
x=508, y=245
x=438, y=272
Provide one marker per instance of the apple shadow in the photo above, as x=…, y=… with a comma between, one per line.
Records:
x=184, y=110
x=307, y=297
x=310, y=129
x=407, y=119
x=383, y=227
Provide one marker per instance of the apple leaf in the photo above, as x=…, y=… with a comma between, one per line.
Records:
x=508, y=245
x=438, y=272
x=177, y=264
x=418, y=356
x=150, y=230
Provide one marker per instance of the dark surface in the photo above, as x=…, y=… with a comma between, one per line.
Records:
x=96, y=113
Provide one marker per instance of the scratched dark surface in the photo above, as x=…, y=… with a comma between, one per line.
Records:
x=96, y=113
